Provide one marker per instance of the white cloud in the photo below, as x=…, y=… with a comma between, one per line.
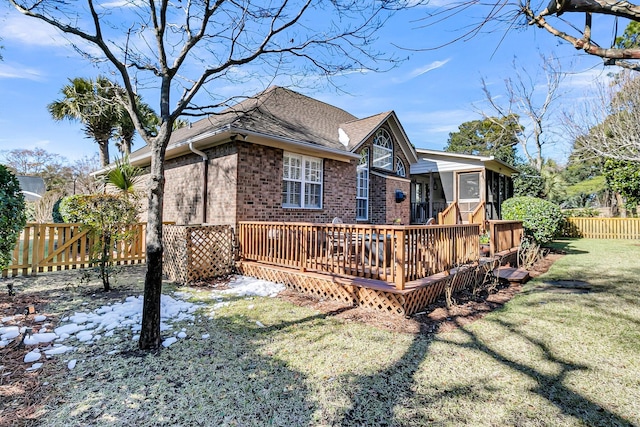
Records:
x=417, y=72
x=30, y=31
x=9, y=71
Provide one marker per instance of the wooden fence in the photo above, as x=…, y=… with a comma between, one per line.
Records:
x=54, y=247
x=395, y=254
x=603, y=228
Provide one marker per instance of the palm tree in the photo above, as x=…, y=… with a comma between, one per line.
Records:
x=125, y=129
x=124, y=176
x=90, y=103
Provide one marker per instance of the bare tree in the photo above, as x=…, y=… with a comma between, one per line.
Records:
x=509, y=15
x=608, y=126
x=181, y=48
x=527, y=97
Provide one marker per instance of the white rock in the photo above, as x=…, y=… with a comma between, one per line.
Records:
x=205, y=336
x=40, y=318
x=71, y=364
x=182, y=335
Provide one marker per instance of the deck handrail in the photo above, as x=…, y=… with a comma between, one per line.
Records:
x=395, y=254
x=450, y=215
x=478, y=216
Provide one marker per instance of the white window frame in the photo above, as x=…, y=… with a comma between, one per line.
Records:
x=400, y=167
x=306, y=171
x=382, y=150
x=362, y=186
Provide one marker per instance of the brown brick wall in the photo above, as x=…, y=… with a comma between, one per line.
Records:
x=260, y=188
x=184, y=183
x=183, y=189
x=245, y=184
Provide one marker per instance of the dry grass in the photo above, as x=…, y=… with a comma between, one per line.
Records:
x=560, y=353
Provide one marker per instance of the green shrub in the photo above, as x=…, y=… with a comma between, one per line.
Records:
x=74, y=208
x=542, y=220
x=12, y=214
x=581, y=213
x=107, y=216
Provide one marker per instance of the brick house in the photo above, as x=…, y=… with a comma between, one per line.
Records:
x=283, y=156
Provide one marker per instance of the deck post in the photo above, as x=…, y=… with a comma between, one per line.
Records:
x=399, y=268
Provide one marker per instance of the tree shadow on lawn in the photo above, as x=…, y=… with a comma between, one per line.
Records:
x=548, y=386
x=375, y=398
x=223, y=380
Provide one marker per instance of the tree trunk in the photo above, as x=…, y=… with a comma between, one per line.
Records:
x=104, y=152
x=150, y=333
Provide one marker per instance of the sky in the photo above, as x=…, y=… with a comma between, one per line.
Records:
x=433, y=91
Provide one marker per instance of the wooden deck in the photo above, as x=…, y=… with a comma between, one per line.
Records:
x=373, y=293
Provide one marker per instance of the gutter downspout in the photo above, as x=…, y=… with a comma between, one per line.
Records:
x=205, y=179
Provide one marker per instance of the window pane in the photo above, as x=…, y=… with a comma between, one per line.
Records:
x=362, y=206
x=312, y=196
x=469, y=185
x=291, y=193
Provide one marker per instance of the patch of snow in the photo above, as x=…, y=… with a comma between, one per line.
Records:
x=40, y=318
x=166, y=343
x=205, y=336
x=58, y=350
x=71, y=364
x=248, y=286
x=35, y=366
x=32, y=356
x=182, y=335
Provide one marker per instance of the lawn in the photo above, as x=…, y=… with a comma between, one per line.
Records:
x=563, y=352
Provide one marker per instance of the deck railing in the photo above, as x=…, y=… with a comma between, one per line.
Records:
x=505, y=235
x=478, y=216
x=603, y=228
x=53, y=247
x=450, y=216
x=395, y=254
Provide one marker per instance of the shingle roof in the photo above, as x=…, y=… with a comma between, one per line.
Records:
x=279, y=112
x=358, y=130
x=282, y=113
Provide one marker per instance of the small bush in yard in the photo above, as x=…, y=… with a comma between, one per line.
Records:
x=12, y=214
x=542, y=220
x=107, y=216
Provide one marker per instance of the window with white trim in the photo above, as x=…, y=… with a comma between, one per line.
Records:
x=362, y=186
x=301, y=181
x=400, y=169
x=383, y=150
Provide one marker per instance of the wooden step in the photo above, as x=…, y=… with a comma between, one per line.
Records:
x=511, y=274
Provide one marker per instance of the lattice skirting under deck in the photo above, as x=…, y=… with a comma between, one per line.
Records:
x=402, y=303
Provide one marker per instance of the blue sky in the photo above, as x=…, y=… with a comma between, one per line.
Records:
x=432, y=92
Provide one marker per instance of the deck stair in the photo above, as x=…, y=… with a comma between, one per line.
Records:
x=511, y=274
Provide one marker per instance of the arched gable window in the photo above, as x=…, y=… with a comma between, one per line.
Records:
x=383, y=150
x=400, y=169
x=362, y=186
